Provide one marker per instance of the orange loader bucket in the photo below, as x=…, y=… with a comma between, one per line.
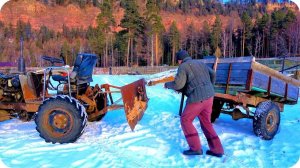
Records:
x=135, y=101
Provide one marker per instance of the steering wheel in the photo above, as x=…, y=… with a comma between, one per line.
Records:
x=53, y=60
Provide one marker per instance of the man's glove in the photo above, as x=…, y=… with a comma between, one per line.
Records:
x=167, y=85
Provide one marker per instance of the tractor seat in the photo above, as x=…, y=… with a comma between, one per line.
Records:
x=64, y=79
x=83, y=70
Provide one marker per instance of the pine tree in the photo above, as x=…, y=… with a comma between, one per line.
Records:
x=191, y=41
x=277, y=24
x=246, y=32
x=263, y=26
x=174, y=40
x=215, y=38
x=66, y=53
x=154, y=20
x=105, y=22
x=205, y=35
x=121, y=45
x=133, y=23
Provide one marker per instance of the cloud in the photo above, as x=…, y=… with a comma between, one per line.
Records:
x=297, y=2
x=2, y=2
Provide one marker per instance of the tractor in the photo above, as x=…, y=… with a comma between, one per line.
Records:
x=62, y=101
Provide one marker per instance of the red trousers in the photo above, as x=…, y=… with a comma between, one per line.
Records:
x=202, y=110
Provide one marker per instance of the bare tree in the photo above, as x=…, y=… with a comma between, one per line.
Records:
x=258, y=46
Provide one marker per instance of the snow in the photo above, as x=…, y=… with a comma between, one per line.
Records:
x=157, y=140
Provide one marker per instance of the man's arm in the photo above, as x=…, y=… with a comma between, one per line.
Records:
x=180, y=80
x=212, y=75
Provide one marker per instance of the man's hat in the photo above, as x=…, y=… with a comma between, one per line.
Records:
x=181, y=55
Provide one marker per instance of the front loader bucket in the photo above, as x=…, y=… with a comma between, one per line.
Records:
x=135, y=101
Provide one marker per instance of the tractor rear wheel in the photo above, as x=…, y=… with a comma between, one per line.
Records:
x=266, y=120
x=61, y=119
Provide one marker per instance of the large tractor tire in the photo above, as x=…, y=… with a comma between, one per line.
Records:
x=216, y=110
x=266, y=120
x=61, y=119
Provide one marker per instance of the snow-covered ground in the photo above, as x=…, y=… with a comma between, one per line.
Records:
x=156, y=142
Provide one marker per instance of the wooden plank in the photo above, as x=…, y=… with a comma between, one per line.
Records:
x=241, y=65
x=229, y=60
x=258, y=89
x=239, y=74
x=222, y=73
x=232, y=81
x=233, y=90
x=238, y=81
x=228, y=78
x=271, y=72
x=269, y=86
x=249, y=80
x=277, y=87
x=286, y=91
x=260, y=81
x=293, y=92
x=210, y=65
x=223, y=66
x=221, y=80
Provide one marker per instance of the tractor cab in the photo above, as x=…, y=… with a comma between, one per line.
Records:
x=73, y=82
x=82, y=71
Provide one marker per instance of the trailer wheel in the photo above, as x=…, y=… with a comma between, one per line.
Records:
x=61, y=119
x=216, y=110
x=266, y=120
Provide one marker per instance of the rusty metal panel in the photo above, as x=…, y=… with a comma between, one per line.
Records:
x=245, y=99
x=4, y=115
x=135, y=101
x=28, y=88
x=29, y=107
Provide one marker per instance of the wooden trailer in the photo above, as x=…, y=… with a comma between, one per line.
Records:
x=247, y=89
x=242, y=83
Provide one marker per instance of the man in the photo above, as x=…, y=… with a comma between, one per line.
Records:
x=195, y=80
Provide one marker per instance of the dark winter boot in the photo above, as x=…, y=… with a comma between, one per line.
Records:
x=191, y=152
x=209, y=152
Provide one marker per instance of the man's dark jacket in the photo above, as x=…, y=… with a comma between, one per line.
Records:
x=195, y=79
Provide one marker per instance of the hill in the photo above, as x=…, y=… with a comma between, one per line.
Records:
x=55, y=27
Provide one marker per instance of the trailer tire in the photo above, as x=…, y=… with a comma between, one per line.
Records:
x=216, y=110
x=61, y=119
x=266, y=120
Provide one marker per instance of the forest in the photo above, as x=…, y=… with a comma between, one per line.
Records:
x=144, y=40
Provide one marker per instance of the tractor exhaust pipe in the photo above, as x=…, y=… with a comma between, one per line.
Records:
x=21, y=61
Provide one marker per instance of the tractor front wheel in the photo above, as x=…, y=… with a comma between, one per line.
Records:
x=61, y=119
x=266, y=120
